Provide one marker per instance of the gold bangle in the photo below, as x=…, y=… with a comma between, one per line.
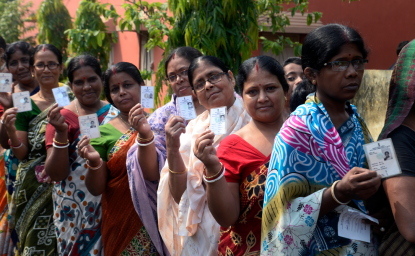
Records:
x=334, y=197
x=213, y=176
x=63, y=143
x=144, y=140
x=177, y=172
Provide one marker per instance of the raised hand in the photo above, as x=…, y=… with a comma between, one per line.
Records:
x=9, y=119
x=174, y=127
x=6, y=99
x=204, y=149
x=138, y=120
x=358, y=183
x=86, y=151
x=56, y=119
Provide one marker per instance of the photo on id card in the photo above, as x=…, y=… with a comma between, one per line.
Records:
x=147, y=96
x=218, y=120
x=187, y=109
x=61, y=96
x=21, y=100
x=6, y=80
x=381, y=158
x=89, y=125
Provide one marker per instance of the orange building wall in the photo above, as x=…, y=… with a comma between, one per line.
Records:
x=382, y=23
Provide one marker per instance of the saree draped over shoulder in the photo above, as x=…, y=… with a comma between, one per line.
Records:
x=308, y=156
x=33, y=200
x=188, y=228
x=400, y=103
x=248, y=167
x=77, y=213
x=144, y=193
x=122, y=230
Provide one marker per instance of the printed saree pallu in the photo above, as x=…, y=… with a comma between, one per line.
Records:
x=123, y=232
x=308, y=156
x=243, y=236
x=33, y=200
x=77, y=213
x=188, y=228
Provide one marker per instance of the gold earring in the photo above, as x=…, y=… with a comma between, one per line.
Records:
x=285, y=98
x=314, y=82
x=33, y=75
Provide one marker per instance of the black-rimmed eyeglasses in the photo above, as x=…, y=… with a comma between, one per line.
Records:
x=342, y=65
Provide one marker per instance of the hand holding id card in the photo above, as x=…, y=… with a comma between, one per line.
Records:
x=218, y=120
x=381, y=158
x=21, y=101
x=61, y=96
x=6, y=80
x=147, y=96
x=187, y=109
x=89, y=126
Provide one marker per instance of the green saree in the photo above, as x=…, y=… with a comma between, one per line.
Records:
x=33, y=200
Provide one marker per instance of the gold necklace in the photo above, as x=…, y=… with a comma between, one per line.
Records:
x=127, y=123
x=76, y=106
x=44, y=98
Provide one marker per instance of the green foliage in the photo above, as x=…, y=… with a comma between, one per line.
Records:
x=13, y=15
x=53, y=20
x=155, y=18
x=89, y=34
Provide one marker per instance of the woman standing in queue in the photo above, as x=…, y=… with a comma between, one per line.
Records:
x=318, y=162
x=77, y=213
x=17, y=57
x=235, y=193
x=124, y=232
x=399, y=238
x=144, y=192
x=185, y=222
x=32, y=206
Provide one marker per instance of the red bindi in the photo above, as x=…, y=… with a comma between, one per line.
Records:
x=84, y=78
x=259, y=84
x=350, y=55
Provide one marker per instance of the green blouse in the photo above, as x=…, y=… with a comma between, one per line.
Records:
x=104, y=144
x=23, y=118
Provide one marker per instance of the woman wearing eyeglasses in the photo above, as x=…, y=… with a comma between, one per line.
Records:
x=32, y=204
x=318, y=163
x=185, y=222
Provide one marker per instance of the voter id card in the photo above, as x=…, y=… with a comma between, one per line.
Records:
x=89, y=126
x=218, y=120
x=381, y=158
x=21, y=100
x=61, y=96
x=147, y=96
x=6, y=80
x=187, y=109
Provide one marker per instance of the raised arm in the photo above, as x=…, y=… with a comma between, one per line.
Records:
x=222, y=197
x=178, y=173
x=18, y=139
x=57, y=160
x=97, y=175
x=147, y=150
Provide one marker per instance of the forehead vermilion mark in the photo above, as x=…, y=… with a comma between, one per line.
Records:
x=174, y=55
x=113, y=71
x=82, y=62
x=257, y=68
x=44, y=48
